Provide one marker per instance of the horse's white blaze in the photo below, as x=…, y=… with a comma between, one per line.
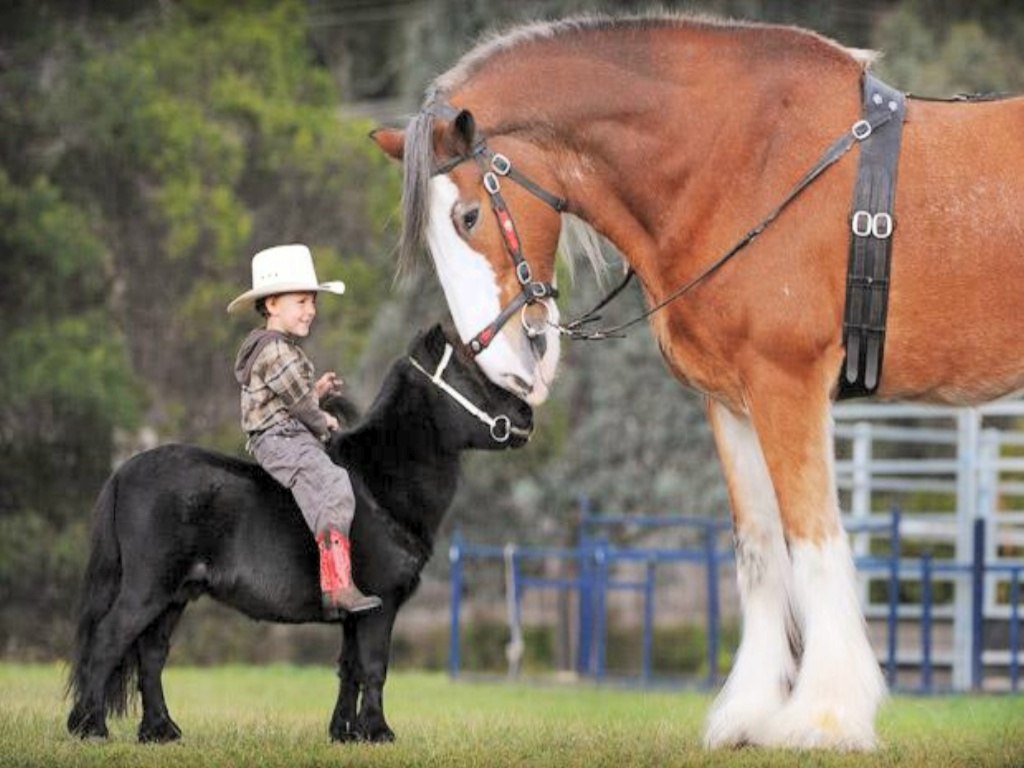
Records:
x=764, y=668
x=473, y=295
x=840, y=684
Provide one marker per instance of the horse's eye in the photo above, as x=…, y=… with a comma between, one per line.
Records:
x=466, y=218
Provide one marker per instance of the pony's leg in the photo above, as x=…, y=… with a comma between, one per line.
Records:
x=765, y=668
x=343, y=720
x=374, y=646
x=839, y=685
x=110, y=665
x=153, y=645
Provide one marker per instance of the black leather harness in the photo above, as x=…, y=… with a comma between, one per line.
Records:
x=878, y=133
x=872, y=226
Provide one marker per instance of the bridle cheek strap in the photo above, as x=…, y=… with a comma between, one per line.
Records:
x=494, y=167
x=501, y=426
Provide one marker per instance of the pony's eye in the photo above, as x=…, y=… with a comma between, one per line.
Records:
x=466, y=217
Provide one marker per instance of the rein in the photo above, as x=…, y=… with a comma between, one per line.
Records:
x=501, y=426
x=859, y=132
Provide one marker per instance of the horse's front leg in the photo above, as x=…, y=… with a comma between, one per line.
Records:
x=374, y=646
x=839, y=685
x=344, y=717
x=765, y=666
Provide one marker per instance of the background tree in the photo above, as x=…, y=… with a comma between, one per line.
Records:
x=147, y=150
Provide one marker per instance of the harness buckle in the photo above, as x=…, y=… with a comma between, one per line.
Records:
x=500, y=164
x=879, y=225
x=523, y=273
x=491, y=183
x=861, y=130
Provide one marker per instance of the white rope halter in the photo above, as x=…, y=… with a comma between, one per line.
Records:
x=501, y=426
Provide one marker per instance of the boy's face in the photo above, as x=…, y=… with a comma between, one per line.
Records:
x=291, y=313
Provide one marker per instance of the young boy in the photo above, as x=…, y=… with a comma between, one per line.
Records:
x=282, y=417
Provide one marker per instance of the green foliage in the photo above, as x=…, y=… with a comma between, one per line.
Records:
x=968, y=48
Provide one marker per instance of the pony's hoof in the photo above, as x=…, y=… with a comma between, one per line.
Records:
x=86, y=726
x=160, y=732
x=382, y=735
x=344, y=732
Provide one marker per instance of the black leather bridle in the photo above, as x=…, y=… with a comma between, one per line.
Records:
x=496, y=166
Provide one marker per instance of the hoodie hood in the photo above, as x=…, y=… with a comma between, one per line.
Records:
x=251, y=348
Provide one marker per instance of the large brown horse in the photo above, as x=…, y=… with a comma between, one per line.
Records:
x=673, y=138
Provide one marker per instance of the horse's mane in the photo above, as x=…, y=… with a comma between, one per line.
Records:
x=498, y=42
x=419, y=160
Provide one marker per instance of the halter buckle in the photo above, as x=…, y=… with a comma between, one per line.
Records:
x=539, y=290
x=500, y=164
x=491, y=183
x=523, y=273
x=861, y=130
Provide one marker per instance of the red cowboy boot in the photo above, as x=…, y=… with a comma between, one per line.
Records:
x=340, y=594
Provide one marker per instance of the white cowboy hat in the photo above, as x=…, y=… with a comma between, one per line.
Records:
x=282, y=269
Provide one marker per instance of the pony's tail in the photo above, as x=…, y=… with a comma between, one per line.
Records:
x=99, y=590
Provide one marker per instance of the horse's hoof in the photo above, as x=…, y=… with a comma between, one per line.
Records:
x=161, y=732
x=382, y=735
x=86, y=726
x=345, y=733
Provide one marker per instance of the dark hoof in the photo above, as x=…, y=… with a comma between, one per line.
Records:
x=345, y=732
x=86, y=725
x=349, y=732
x=382, y=736
x=160, y=732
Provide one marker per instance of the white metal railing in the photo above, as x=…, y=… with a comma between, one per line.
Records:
x=973, y=476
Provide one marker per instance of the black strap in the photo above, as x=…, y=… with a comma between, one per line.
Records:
x=858, y=133
x=872, y=226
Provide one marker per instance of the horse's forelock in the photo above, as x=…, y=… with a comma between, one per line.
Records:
x=418, y=168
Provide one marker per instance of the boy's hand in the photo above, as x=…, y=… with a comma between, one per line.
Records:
x=328, y=384
x=332, y=423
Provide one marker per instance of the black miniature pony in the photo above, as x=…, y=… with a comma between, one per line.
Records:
x=178, y=521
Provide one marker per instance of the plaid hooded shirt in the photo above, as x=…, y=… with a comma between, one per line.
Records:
x=277, y=382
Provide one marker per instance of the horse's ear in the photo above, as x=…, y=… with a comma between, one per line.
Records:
x=432, y=340
x=435, y=337
x=464, y=132
x=391, y=140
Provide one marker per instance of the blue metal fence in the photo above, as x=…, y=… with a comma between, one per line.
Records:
x=595, y=557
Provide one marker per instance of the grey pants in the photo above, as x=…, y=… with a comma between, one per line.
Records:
x=298, y=461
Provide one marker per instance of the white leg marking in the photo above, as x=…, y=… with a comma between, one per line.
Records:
x=840, y=685
x=764, y=668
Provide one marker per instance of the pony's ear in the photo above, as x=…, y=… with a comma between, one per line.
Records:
x=435, y=337
x=432, y=340
x=391, y=140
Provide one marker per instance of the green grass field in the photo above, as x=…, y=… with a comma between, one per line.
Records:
x=278, y=716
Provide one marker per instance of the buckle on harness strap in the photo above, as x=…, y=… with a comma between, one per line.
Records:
x=879, y=225
x=861, y=130
x=491, y=183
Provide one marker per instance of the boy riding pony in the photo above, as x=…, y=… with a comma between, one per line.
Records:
x=282, y=418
